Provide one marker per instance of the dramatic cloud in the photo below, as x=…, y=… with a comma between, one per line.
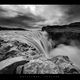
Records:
x=73, y=13
x=36, y=16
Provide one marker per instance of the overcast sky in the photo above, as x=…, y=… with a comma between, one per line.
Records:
x=36, y=16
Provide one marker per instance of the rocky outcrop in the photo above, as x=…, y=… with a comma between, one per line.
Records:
x=56, y=65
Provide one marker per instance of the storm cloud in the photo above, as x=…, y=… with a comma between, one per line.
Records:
x=36, y=16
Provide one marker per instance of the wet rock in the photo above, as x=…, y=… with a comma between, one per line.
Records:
x=38, y=67
x=65, y=65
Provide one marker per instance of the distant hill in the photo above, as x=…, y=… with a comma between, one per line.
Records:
x=71, y=25
x=6, y=28
x=75, y=25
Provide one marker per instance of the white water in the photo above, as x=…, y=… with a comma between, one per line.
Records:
x=72, y=52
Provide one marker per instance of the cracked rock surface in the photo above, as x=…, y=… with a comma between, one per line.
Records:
x=58, y=65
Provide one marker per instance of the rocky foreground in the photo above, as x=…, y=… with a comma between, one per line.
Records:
x=26, y=53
